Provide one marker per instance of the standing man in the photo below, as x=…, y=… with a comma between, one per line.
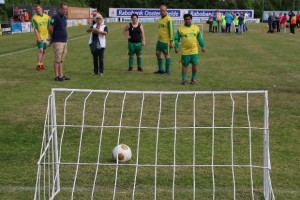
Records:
x=165, y=40
x=58, y=31
x=293, y=24
x=291, y=14
x=190, y=36
x=40, y=23
x=229, y=20
x=134, y=32
x=219, y=18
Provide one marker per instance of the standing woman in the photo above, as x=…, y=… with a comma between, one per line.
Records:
x=98, y=35
x=134, y=32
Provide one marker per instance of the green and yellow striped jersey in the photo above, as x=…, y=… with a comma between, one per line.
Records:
x=165, y=29
x=41, y=23
x=190, y=36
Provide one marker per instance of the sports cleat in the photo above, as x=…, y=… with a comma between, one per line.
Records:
x=140, y=69
x=57, y=78
x=184, y=82
x=65, y=78
x=130, y=69
x=159, y=72
x=40, y=68
x=101, y=74
x=193, y=81
x=167, y=72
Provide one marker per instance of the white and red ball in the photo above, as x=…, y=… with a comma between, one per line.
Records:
x=122, y=153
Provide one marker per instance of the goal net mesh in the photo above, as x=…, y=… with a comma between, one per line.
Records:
x=185, y=145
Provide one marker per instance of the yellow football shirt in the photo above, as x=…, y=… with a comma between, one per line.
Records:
x=165, y=29
x=41, y=23
x=190, y=36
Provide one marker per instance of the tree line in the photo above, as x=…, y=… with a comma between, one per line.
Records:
x=103, y=6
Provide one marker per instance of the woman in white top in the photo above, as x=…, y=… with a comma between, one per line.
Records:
x=98, y=35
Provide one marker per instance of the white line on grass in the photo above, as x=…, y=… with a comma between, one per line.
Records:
x=12, y=53
x=9, y=189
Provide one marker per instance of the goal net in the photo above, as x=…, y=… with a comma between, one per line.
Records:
x=185, y=145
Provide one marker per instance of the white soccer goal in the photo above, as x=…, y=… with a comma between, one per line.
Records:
x=185, y=145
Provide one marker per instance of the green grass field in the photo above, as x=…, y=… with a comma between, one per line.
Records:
x=253, y=61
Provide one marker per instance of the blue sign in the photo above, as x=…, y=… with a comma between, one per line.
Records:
x=16, y=27
x=205, y=13
x=155, y=13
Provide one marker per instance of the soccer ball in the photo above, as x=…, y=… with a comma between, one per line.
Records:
x=47, y=42
x=122, y=153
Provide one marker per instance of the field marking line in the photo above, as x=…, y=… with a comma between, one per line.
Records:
x=10, y=189
x=12, y=53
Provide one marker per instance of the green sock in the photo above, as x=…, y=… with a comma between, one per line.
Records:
x=139, y=62
x=183, y=76
x=168, y=63
x=193, y=76
x=130, y=62
x=160, y=64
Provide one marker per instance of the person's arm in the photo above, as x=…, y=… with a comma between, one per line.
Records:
x=51, y=26
x=90, y=29
x=51, y=30
x=36, y=32
x=171, y=33
x=201, y=42
x=104, y=32
x=177, y=40
x=143, y=35
x=37, y=35
x=125, y=31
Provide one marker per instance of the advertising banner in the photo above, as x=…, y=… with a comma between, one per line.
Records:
x=275, y=13
x=175, y=13
x=205, y=12
x=141, y=12
x=78, y=13
x=26, y=27
x=16, y=27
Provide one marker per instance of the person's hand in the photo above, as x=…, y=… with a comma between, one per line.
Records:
x=143, y=43
x=176, y=50
x=203, y=50
x=171, y=45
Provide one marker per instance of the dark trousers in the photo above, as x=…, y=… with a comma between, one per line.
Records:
x=292, y=28
x=228, y=27
x=98, y=60
x=210, y=26
x=277, y=26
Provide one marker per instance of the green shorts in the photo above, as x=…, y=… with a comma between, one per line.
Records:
x=187, y=59
x=41, y=45
x=163, y=47
x=135, y=48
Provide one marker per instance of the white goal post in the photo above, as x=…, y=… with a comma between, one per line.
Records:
x=185, y=145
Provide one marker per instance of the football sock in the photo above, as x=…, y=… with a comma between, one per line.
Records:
x=183, y=76
x=130, y=62
x=139, y=62
x=159, y=63
x=168, y=63
x=193, y=76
